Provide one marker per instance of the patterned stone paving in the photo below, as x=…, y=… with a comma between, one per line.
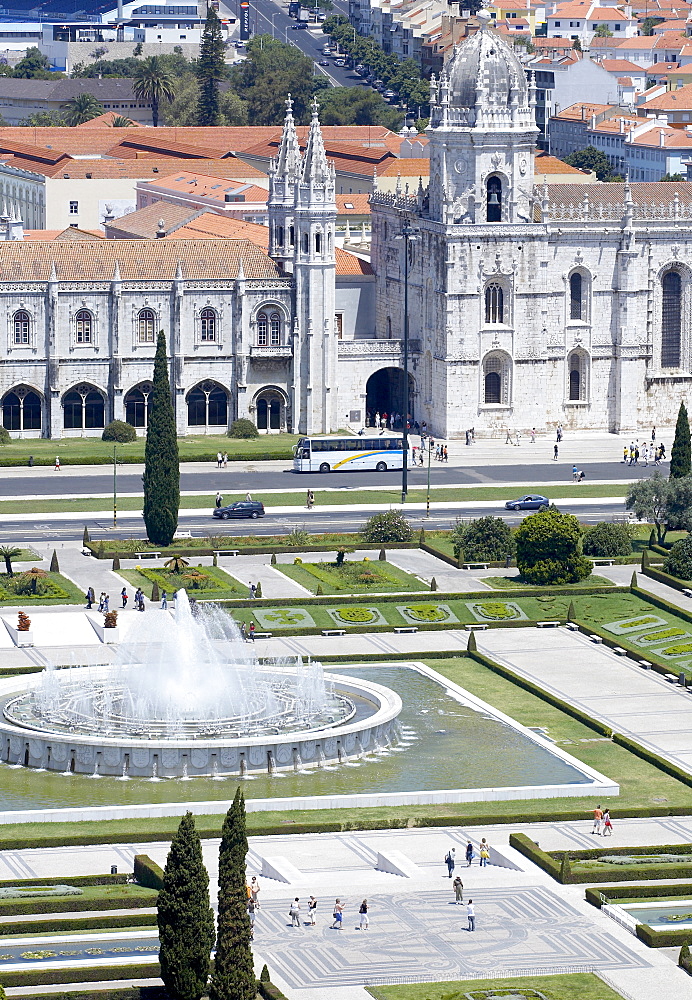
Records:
x=424, y=935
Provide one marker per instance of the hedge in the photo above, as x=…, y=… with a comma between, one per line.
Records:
x=652, y=758
x=121, y=879
x=268, y=991
x=666, y=578
x=56, y=923
x=147, y=872
x=662, y=603
x=248, y=550
x=663, y=939
x=74, y=904
x=84, y=974
x=530, y=849
x=616, y=892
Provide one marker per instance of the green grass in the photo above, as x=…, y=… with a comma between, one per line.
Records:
x=25, y=555
x=578, y=986
x=516, y=583
x=72, y=594
x=227, y=588
x=348, y=579
x=195, y=448
x=89, y=892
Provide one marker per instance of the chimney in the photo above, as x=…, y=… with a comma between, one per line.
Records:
x=661, y=138
x=622, y=126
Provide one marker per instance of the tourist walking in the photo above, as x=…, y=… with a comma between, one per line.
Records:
x=364, y=919
x=57, y=464
x=597, y=820
x=294, y=913
x=251, y=589
x=248, y=496
x=559, y=433
x=251, y=632
x=219, y=459
x=89, y=598
x=338, y=916
x=106, y=603
x=450, y=861
x=310, y=499
x=607, y=825
x=312, y=906
x=446, y=454
x=101, y=596
x=471, y=915
x=251, y=907
x=470, y=854
x=219, y=500
x=653, y=434
x=254, y=888
x=575, y=473
x=555, y=452
x=533, y=435
x=164, y=600
x=225, y=459
x=123, y=596
x=458, y=887
x=484, y=853
x=243, y=631
x=141, y=601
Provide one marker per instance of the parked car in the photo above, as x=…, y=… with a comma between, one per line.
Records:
x=389, y=95
x=339, y=62
x=243, y=508
x=532, y=501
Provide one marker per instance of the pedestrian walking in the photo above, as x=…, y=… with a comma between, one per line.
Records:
x=555, y=452
x=533, y=435
x=446, y=454
x=575, y=473
x=625, y=454
x=364, y=918
x=250, y=589
x=101, y=596
x=219, y=459
x=251, y=907
x=57, y=464
x=310, y=500
x=141, y=601
x=225, y=459
x=251, y=632
x=123, y=597
x=484, y=853
x=312, y=907
x=607, y=825
x=243, y=631
x=338, y=916
x=254, y=889
x=31, y=461
x=294, y=912
x=164, y=600
x=470, y=854
x=471, y=915
x=248, y=496
x=420, y=456
x=597, y=820
x=89, y=598
x=653, y=434
x=458, y=887
x=106, y=604
x=559, y=433
x=450, y=861
x=662, y=449
x=219, y=500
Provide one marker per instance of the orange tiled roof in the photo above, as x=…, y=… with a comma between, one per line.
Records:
x=407, y=167
x=205, y=186
x=620, y=65
x=144, y=222
x=672, y=100
x=71, y=233
x=106, y=121
x=144, y=169
x=360, y=204
x=546, y=164
x=579, y=112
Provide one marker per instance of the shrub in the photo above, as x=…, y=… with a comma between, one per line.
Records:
x=679, y=561
x=54, y=565
x=264, y=974
x=684, y=959
x=488, y=539
x=549, y=549
x=243, y=429
x=389, y=526
x=147, y=872
x=382, y=556
x=297, y=537
x=258, y=590
x=118, y=430
x=608, y=540
x=116, y=563
x=433, y=584
x=272, y=561
x=4, y=435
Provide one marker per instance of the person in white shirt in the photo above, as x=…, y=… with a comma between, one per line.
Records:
x=471, y=914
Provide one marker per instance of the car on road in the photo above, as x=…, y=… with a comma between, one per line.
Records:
x=339, y=62
x=243, y=508
x=324, y=62
x=532, y=501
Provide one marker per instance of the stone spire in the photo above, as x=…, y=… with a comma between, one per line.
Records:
x=316, y=168
x=287, y=158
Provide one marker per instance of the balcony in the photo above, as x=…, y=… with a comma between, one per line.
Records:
x=376, y=348
x=274, y=353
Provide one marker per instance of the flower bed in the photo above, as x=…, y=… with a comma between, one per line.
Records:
x=208, y=582
x=496, y=611
x=423, y=613
x=661, y=635
x=356, y=615
x=285, y=618
x=638, y=624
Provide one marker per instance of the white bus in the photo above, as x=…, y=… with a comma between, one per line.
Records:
x=349, y=454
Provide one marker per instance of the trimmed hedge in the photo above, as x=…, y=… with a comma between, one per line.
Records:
x=663, y=939
x=56, y=923
x=616, y=892
x=270, y=992
x=652, y=758
x=248, y=550
x=9, y=883
x=74, y=904
x=666, y=578
x=85, y=974
x=148, y=873
x=530, y=849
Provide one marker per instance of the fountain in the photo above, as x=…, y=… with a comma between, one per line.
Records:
x=185, y=697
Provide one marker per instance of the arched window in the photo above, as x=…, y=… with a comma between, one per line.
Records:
x=318, y=242
x=145, y=326
x=22, y=327
x=576, y=306
x=268, y=329
x=262, y=330
x=494, y=304
x=138, y=405
x=496, y=371
x=275, y=329
x=306, y=243
x=280, y=235
x=83, y=409
x=493, y=190
x=21, y=410
x=207, y=325
x=83, y=327
x=207, y=406
x=577, y=377
x=671, y=320
x=271, y=410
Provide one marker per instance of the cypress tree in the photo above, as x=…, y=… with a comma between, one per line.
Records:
x=565, y=870
x=210, y=69
x=85, y=536
x=570, y=612
x=680, y=455
x=185, y=919
x=161, y=466
x=54, y=565
x=633, y=581
x=116, y=563
x=471, y=644
x=234, y=972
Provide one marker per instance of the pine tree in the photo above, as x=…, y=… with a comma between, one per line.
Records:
x=185, y=919
x=471, y=644
x=54, y=565
x=234, y=973
x=680, y=455
x=210, y=69
x=633, y=581
x=570, y=612
x=161, y=466
x=85, y=536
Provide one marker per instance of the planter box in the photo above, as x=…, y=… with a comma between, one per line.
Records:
x=19, y=638
x=107, y=635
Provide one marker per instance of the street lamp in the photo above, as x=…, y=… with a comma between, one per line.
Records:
x=427, y=499
x=409, y=234
x=273, y=16
x=115, y=488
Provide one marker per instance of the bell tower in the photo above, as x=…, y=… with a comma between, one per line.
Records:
x=284, y=172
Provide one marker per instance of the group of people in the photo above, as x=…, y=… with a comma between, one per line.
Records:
x=221, y=460
x=647, y=452
x=104, y=600
x=247, y=632
x=387, y=421
x=457, y=885
x=601, y=818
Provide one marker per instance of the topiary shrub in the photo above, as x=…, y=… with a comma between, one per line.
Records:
x=264, y=975
x=4, y=435
x=54, y=565
x=258, y=590
x=549, y=549
x=565, y=870
x=488, y=539
x=118, y=430
x=273, y=559
x=382, y=556
x=243, y=429
x=116, y=563
x=679, y=561
x=608, y=540
x=389, y=526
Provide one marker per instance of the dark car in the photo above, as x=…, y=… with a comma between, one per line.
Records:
x=244, y=508
x=532, y=501
x=324, y=62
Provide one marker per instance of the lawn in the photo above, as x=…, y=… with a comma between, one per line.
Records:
x=87, y=900
x=577, y=986
x=51, y=588
x=195, y=448
x=204, y=582
x=516, y=583
x=354, y=576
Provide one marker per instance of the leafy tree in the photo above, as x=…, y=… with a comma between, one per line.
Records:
x=576, y=45
x=357, y=106
x=154, y=82
x=549, y=548
x=666, y=503
x=680, y=455
x=210, y=69
x=591, y=159
x=185, y=919
x=679, y=561
x=679, y=506
x=674, y=178
x=603, y=31
x=234, y=973
x=5, y=437
x=389, y=526
x=184, y=108
x=271, y=70
x=42, y=119
x=34, y=66
x=487, y=539
x=243, y=428
x=105, y=68
x=82, y=108
x=608, y=540
x=161, y=465
x=649, y=23
x=8, y=553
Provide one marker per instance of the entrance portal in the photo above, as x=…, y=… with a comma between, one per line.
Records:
x=385, y=394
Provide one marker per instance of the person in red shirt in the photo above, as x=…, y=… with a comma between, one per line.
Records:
x=597, y=818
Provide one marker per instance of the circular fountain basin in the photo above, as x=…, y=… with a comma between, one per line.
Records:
x=359, y=717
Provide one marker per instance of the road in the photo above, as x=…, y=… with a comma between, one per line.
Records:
x=316, y=521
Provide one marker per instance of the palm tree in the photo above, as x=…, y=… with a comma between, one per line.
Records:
x=8, y=553
x=177, y=564
x=119, y=121
x=82, y=108
x=153, y=83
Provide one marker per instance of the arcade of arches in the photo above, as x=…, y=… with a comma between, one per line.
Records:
x=385, y=394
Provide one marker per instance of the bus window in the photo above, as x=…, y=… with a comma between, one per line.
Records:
x=317, y=445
